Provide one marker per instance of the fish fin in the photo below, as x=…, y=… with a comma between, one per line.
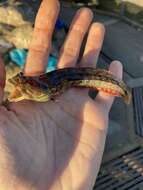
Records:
x=128, y=98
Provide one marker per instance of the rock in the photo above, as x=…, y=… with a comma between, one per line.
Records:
x=134, y=12
x=21, y=36
x=9, y=15
x=18, y=12
x=135, y=2
x=133, y=9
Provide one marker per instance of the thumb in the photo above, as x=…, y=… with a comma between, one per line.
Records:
x=2, y=78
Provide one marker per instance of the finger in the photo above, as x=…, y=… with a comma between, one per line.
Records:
x=41, y=40
x=2, y=79
x=93, y=45
x=70, y=51
x=104, y=99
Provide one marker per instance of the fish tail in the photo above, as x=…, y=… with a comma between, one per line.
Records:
x=127, y=98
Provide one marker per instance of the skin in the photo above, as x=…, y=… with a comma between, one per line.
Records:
x=56, y=145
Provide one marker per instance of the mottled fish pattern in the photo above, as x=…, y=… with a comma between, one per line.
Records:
x=49, y=85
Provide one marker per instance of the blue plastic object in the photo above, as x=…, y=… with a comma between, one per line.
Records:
x=52, y=63
x=18, y=56
x=60, y=24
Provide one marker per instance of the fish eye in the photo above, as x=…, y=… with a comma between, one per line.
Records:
x=22, y=77
x=21, y=74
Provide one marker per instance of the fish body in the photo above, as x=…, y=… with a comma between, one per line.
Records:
x=50, y=85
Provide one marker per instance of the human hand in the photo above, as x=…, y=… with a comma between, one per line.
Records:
x=56, y=145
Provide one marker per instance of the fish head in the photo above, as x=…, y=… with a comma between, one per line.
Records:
x=27, y=88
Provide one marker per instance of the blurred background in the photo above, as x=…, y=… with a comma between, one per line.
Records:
x=122, y=165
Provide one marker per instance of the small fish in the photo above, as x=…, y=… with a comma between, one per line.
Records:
x=50, y=85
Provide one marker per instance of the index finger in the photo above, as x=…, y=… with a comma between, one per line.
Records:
x=41, y=40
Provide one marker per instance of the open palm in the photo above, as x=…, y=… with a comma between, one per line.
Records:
x=59, y=144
